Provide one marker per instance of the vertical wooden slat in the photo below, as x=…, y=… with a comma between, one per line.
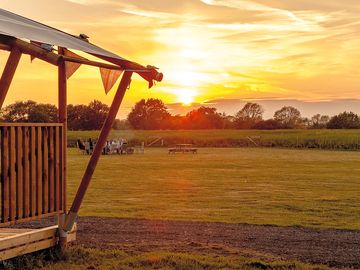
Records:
x=51, y=169
x=57, y=168
x=33, y=171
x=45, y=171
x=5, y=174
x=59, y=193
x=63, y=169
x=12, y=155
x=26, y=171
x=19, y=174
x=63, y=166
x=39, y=172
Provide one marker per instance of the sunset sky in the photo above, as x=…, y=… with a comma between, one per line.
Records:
x=215, y=52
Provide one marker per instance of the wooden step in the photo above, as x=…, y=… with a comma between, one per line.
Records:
x=17, y=242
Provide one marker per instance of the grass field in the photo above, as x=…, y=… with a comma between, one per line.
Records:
x=236, y=185
x=77, y=258
x=322, y=139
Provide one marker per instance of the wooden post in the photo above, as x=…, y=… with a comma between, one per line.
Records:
x=62, y=104
x=8, y=73
x=63, y=119
x=106, y=128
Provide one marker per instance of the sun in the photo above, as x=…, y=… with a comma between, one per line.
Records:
x=185, y=96
x=186, y=100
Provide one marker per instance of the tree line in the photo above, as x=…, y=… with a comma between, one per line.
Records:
x=80, y=117
x=153, y=114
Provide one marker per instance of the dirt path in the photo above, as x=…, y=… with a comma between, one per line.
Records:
x=340, y=248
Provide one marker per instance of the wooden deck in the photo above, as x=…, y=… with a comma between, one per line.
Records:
x=17, y=242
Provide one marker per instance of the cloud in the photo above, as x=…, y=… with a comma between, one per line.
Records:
x=236, y=49
x=90, y=2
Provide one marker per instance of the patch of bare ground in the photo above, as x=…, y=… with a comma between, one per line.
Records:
x=332, y=247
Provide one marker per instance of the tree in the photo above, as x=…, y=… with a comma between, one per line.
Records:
x=324, y=119
x=249, y=115
x=149, y=114
x=306, y=122
x=121, y=124
x=29, y=111
x=90, y=117
x=319, y=121
x=77, y=117
x=177, y=122
x=97, y=113
x=348, y=120
x=288, y=117
x=267, y=125
x=228, y=121
x=204, y=118
x=43, y=113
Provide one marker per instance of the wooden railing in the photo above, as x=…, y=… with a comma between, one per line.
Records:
x=32, y=180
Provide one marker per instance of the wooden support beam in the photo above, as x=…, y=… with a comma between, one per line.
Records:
x=146, y=73
x=105, y=130
x=50, y=57
x=5, y=47
x=8, y=73
x=31, y=49
x=90, y=63
x=62, y=100
x=63, y=119
x=28, y=48
x=62, y=88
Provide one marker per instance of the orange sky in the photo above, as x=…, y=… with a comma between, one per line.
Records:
x=208, y=49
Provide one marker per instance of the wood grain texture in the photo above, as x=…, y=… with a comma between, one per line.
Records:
x=32, y=171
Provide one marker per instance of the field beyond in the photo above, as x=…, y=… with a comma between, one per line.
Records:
x=288, y=138
x=235, y=185
x=219, y=188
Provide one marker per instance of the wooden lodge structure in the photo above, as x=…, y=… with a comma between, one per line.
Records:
x=33, y=155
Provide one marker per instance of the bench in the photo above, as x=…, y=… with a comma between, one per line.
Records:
x=182, y=150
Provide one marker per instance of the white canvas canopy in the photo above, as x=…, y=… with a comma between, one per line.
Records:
x=20, y=27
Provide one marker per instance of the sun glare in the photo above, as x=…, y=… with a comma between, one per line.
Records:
x=185, y=96
x=186, y=100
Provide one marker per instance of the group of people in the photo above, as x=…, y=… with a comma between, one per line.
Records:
x=119, y=146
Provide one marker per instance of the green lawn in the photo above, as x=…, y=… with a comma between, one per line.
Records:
x=322, y=139
x=239, y=185
x=214, y=134
x=78, y=259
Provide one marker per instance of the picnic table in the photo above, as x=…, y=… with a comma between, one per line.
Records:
x=183, y=148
